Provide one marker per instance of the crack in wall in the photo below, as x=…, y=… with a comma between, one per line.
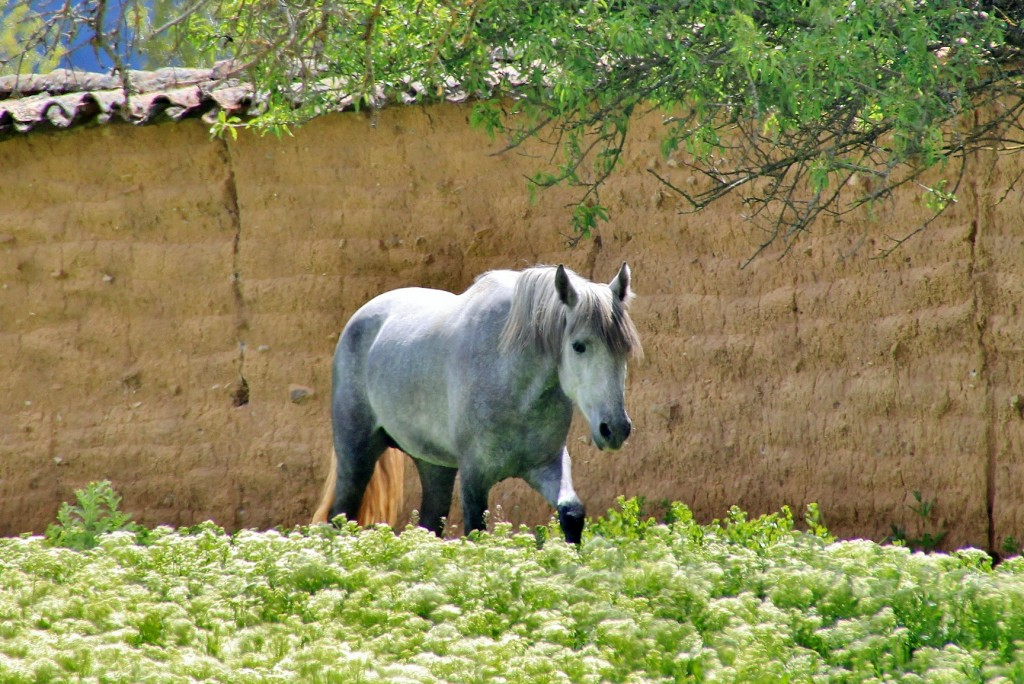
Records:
x=591, y=261
x=240, y=395
x=979, y=305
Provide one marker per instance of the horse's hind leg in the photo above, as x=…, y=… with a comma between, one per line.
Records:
x=438, y=483
x=357, y=454
x=359, y=440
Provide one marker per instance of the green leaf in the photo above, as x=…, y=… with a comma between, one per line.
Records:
x=96, y=513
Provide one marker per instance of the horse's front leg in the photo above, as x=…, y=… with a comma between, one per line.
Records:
x=554, y=482
x=473, y=489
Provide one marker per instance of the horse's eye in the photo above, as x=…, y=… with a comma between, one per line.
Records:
x=579, y=347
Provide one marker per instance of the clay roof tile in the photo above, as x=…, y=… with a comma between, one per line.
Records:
x=65, y=97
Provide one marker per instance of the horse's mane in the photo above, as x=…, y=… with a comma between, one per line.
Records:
x=538, y=319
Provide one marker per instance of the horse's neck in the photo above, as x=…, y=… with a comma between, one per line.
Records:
x=539, y=382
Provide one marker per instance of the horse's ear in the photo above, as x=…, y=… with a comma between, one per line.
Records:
x=620, y=283
x=565, y=289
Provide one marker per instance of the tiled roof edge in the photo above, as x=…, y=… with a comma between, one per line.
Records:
x=64, y=98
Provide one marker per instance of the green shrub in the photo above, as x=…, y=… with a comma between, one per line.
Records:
x=80, y=526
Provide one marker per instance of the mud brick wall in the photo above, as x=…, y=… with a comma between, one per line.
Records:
x=163, y=296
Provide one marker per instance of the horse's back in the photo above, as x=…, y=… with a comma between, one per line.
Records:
x=415, y=301
x=407, y=307
x=412, y=315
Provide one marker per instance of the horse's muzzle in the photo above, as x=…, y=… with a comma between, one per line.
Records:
x=610, y=435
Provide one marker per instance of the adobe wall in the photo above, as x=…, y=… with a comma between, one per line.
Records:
x=145, y=271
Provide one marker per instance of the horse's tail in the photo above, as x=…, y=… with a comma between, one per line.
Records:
x=383, y=495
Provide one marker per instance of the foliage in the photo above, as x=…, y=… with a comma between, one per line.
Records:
x=41, y=35
x=21, y=43
x=927, y=538
x=739, y=600
x=804, y=108
x=1011, y=546
x=79, y=526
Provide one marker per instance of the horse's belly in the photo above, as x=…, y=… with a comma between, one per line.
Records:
x=409, y=397
x=419, y=431
x=416, y=445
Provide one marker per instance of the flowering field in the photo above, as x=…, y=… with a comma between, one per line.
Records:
x=737, y=601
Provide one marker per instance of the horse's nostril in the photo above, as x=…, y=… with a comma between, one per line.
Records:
x=605, y=431
x=627, y=431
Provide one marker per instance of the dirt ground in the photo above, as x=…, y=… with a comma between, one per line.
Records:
x=169, y=306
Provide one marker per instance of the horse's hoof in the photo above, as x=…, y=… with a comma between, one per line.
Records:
x=571, y=517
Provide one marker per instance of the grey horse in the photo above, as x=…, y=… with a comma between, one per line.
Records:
x=482, y=384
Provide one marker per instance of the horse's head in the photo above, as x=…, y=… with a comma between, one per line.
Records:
x=599, y=337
